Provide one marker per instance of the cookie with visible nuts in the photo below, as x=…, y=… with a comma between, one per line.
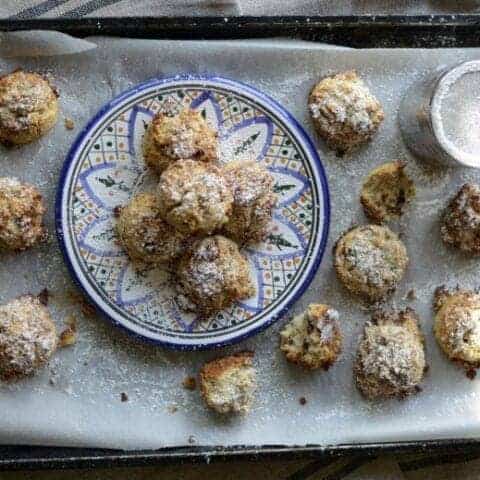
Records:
x=194, y=197
x=390, y=358
x=186, y=135
x=213, y=274
x=21, y=215
x=457, y=326
x=344, y=112
x=370, y=261
x=312, y=339
x=28, y=107
x=461, y=220
x=386, y=191
x=254, y=199
x=144, y=235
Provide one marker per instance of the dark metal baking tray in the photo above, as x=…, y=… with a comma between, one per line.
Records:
x=355, y=31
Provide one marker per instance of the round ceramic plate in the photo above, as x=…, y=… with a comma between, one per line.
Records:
x=105, y=168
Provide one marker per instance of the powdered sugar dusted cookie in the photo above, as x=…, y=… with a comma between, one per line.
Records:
x=228, y=384
x=312, y=339
x=28, y=107
x=183, y=136
x=390, y=359
x=370, y=261
x=28, y=337
x=344, y=112
x=194, y=197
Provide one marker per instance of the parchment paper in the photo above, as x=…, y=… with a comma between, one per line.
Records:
x=76, y=401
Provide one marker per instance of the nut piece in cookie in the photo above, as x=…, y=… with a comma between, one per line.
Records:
x=370, y=261
x=390, y=359
x=253, y=201
x=194, y=197
x=386, y=191
x=213, y=274
x=313, y=339
x=183, y=136
x=28, y=337
x=228, y=384
x=344, y=112
x=461, y=220
x=28, y=107
x=144, y=235
x=457, y=326
x=21, y=215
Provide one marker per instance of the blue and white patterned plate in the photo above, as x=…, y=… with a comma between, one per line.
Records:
x=105, y=168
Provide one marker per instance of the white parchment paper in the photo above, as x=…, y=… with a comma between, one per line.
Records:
x=76, y=401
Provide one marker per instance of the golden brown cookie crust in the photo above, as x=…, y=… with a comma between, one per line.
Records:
x=457, y=326
x=370, y=260
x=21, y=215
x=386, y=191
x=461, y=220
x=186, y=135
x=253, y=201
x=390, y=359
x=28, y=107
x=312, y=339
x=227, y=384
x=28, y=337
x=144, y=235
x=344, y=112
x=194, y=197
x=213, y=274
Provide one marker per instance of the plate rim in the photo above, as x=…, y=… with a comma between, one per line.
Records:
x=224, y=81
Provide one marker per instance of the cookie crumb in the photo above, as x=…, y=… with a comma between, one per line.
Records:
x=302, y=401
x=124, y=397
x=189, y=383
x=172, y=408
x=68, y=336
x=412, y=295
x=44, y=296
x=69, y=125
x=471, y=373
x=117, y=210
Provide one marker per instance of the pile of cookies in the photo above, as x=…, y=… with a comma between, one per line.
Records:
x=200, y=213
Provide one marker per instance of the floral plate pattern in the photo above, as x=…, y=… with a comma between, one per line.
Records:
x=105, y=168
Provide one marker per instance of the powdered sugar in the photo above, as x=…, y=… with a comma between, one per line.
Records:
x=27, y=337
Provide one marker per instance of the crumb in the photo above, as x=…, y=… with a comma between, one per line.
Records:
x=412, y=295
x=44, y=296
x=302, y=400
x=124, y=397
x=471, y=373
x=172, y=408
x=189, y=383
x=68, y=336
x=191, y=440
x=116, y=211
x=69, y=125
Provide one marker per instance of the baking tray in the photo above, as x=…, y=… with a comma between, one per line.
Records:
x=355, y=31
